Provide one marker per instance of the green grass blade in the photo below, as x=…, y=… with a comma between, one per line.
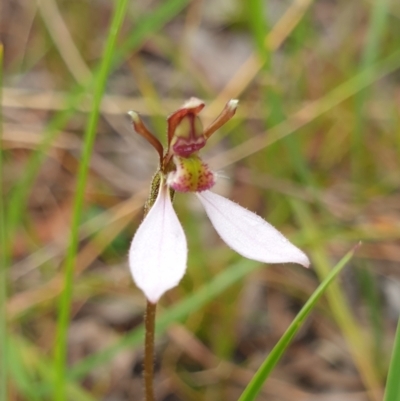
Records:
x=3, y=259
x=253, y=388
x=258, y=27
x=177, y=313
x=90, y=134
x=393, y=383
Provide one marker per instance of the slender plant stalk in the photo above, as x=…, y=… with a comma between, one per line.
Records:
x=148, y=373
x=3, y=260
x=90, y=134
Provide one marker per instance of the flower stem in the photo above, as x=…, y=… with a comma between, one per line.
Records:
x=148, y=373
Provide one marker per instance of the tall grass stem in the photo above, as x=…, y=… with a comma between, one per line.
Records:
x=90, y=134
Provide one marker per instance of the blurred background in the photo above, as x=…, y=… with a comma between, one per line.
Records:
x=314, y=149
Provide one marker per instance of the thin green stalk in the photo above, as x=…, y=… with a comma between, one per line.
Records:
x=258, y=25
x=254, y=387
x=90, y=134
x=3, y=259
x=148, y=372
x=393, y=383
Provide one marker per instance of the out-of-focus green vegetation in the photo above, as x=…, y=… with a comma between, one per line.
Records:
x=314, y=148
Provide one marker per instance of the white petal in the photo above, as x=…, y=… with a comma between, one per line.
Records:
x=158, y=254
x=249, y=234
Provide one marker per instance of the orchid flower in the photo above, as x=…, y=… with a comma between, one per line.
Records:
x=158, y=253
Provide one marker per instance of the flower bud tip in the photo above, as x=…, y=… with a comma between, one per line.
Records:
x=134, y=116
x=193, y=103
x=233, y=104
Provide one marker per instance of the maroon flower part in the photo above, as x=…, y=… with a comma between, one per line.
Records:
x=185, y=130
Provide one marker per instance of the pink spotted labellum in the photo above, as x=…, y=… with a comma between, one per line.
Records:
x=158, y=253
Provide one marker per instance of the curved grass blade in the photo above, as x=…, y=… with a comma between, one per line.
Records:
x=251, y=391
